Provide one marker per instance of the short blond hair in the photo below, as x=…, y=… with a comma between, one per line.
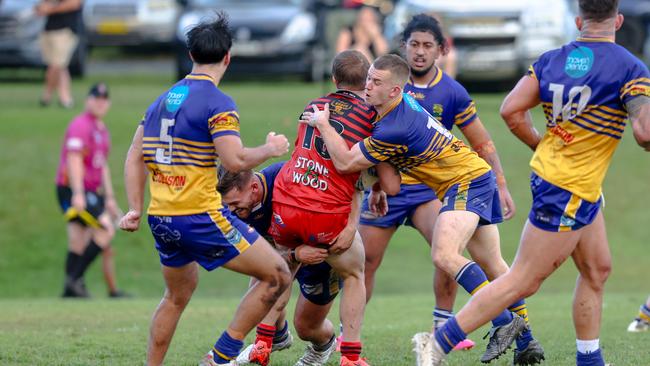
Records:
x=397, y=67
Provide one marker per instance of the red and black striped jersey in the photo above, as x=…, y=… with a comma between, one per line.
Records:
x=309, y=180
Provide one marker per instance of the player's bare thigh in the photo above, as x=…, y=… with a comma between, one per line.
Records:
x=451, y=233
x=540, y=253
x=592, y=255
x=261, y=261
x=375, y=242
x=350, y=262
x=485, y=249
x=424, y=218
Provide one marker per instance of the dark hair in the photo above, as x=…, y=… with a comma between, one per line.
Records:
x=209, y=42
x=598, y=10
x=425, y=23
x=350, y=68
x=398, y=68
x=229, y=180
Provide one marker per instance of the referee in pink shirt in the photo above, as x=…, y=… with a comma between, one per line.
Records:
x=85, y=193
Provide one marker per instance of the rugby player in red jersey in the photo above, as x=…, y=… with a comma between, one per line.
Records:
x=312, y=201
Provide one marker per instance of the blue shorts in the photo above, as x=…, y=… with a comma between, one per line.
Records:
x=400, y=207
x=556, y=209
x=319, y=283
x=480, y=195
x=210, y=238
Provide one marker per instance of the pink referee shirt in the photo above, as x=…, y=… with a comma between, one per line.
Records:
x=89, y=136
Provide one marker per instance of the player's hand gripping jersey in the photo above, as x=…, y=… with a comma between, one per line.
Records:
x=178, y=146
x=416, y=143
x=309, y=180
x=583, y=88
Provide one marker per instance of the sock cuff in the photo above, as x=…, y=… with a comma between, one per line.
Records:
x=442, y=313
x=462, y=270
x=587, y=346
x=227, y=347
x=645, y=310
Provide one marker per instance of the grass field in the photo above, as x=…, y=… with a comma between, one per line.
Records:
x=36, y=327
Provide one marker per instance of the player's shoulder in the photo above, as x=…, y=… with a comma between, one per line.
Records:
x=271, y=171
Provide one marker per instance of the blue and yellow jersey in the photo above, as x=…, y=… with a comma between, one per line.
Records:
x=446, y=100
x=411, y=139
x=583, y=89
x=260, y=216
x=178, y=147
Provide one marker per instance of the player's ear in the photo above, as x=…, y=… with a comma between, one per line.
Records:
x=226, y=59
x=619, y=21
x=578, y=21
x=190, y=54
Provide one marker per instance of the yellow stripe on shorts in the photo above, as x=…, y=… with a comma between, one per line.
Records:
x=224, y=225
x=571, y=211
x=460, y=202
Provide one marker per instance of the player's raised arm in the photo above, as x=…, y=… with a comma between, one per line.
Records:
x=638, y=110
x=135, y=175
x=235, y=157
x=345, y=160
x=480, y=140
x=515, y=110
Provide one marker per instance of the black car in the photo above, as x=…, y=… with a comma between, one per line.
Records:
x=270, y=36
x=19, y=31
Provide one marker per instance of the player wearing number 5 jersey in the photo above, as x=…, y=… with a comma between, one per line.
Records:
x=588, y=90
x=182, y=134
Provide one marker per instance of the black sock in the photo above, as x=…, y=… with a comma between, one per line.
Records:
x=88, y=256
x=321, y=348
x=71, y=262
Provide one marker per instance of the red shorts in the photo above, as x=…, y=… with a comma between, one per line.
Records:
x=292, y=226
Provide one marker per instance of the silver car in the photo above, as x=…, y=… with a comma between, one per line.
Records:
x=130, y=22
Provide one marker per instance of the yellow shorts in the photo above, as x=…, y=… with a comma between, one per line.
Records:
x=57, y=46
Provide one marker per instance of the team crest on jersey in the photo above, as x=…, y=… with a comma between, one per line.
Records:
x=418, y=96
x=579, y=62
x=176, y=97
x=437, y=111
x=338, y=107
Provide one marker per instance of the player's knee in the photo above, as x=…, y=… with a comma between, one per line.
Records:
x=442, y=258
x=304, y=327
x=596, y=275
x=276, y=282
x=180, y=299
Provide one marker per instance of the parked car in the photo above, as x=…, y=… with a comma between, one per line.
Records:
x=19, y=31
x=495, y=40
x=634, y=34
x=270, y=36
x=130, y=22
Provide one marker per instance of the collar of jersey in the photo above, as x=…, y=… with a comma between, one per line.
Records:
x=200, y=77
x=349, y=93
x=594, y=39
x=434, y=80
x=390, y=109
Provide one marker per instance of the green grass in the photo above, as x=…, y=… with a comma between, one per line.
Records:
x=36, y=327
